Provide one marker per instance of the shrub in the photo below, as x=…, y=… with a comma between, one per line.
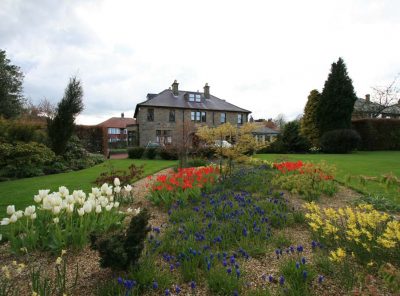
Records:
x=135, y=152
x=292, y=140
x=197, y=162
x=119, y=251
x=151, y=153
x=125, y=177
x=169, y=153
x=93, y=138
x=203, y=152
x=340, y=141
x=21, y=160
x=12, y=131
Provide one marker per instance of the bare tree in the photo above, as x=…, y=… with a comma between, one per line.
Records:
x=280, y=121
x=46, y=108
x=385, y=96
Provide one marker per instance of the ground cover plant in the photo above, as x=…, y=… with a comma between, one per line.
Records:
x=374, y=164
x=20, y=192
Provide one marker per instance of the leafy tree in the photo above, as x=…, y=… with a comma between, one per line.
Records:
x=61, y=127
x=292, y=139
x=11, y=77
x=337, y=100
x=309, y=127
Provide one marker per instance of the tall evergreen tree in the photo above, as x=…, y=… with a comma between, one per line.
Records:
x=337, y=100
x=11, y=77
x=309, y=126
x=61, y=127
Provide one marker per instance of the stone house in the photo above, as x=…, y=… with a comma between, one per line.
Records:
x=365, y=108
x=172, y=116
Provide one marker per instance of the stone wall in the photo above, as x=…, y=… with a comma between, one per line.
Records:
x=179, y=131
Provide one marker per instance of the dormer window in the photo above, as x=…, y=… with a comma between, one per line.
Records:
x=194, y=98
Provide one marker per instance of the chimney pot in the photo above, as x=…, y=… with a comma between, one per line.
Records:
x=206, y=91
x=122, y=115
x=175, y=90
x=367, y=97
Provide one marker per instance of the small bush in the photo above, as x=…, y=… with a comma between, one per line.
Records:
x=135, y=152
x=151, y=153
x=197, y=162
x=169, y=153
x=203, y=152
x=126, y=177
x=119, y=251
x=340, y=141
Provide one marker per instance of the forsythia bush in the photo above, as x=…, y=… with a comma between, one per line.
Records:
x=362, y=232
x=61, y=219
x=307, y=179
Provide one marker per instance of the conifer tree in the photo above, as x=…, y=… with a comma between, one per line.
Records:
x=337, y=100
x=309, y=126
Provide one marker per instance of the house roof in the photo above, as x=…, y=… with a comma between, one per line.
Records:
x=167, y=99
x=263, y=130
x=118, y=122
x=362, y=105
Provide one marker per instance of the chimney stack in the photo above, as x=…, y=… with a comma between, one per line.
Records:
x=175, y=88
x=206, y=91
x=122, y=115
x=367, y=98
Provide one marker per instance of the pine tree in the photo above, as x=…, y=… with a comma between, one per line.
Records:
x=309, y=126
x=337, y=100
x=61, y=127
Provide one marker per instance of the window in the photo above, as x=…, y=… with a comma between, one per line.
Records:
x=171, y=115
x=113, y=131
x=198, y=116
x=163, y=137
x=240, y=119
x=198, y=98
x=223, y=117
x=150, y=114
x=194, y=98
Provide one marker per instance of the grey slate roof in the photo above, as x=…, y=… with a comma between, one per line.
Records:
x=263, y=130
x=361, y=105
x=167, y=99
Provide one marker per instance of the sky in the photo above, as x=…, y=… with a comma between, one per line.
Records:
x=264, y=56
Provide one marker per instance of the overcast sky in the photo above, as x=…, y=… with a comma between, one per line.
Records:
x=264, y=56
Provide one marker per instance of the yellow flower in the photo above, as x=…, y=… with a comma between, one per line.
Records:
x=371, y=263
x=34, y=293
x=59, y=260
x=338, y=255
x=63, y=252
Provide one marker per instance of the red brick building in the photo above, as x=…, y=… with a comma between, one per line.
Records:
x=117, y=132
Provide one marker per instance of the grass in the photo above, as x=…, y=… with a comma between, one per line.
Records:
x=20, y=192
x=374, y=163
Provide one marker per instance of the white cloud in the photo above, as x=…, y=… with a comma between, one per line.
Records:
x=261, y=55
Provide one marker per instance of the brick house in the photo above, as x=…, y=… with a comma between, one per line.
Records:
x=117, y=133
x=365, y=108
x=168, y=117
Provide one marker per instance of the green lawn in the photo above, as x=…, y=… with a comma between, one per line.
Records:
x=20, y=192
x=355, y=164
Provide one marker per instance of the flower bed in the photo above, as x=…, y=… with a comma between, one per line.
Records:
x=185, y=184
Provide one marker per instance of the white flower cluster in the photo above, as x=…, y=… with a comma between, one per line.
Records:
x=62, y=201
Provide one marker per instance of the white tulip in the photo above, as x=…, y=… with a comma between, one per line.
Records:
x=137, y=211
x=56, y=220
x=70, y=208
x=70, y=199
x=19, y=214
x=96, y=191
x=5, y=221
x=87, y=206
x=128, y=188
x=81, y=212
x=104, y=188
x=43, y=193
x=13, y=218
x=116, y=204
x=98, y=209
x=109, y=191
x=111, y=198
x=109, y=207
x=117, y=189
x=46, y=203
x=33, y=216
x=117, y=182
x=37, y=198
x=29, y=211
x=104, y=202
x=10, y=210
x=129, y=210
x=56, y=210
x=63, y=191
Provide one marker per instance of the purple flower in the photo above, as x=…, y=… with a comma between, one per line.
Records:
x=281, y=280
x=224, y=263
x=193, y=285
x=264, y=277
x=235, y=293
x=303, y=260
x=299, y=248
x=320, y=279
x=237, y=273
x=167, y=293
x=232, y=260
x=155, y=285
x=304, y=274
x=244, y=232
x=156, y=229
x=297, y=265
x=270, y=278
x=313, y=244
x=171, y=267
x=229, y=270
x=177, y=289
x=120, y=281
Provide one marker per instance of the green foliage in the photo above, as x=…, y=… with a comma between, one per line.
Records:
x=93, y=138
x=378, y=134
x=391, y=277
x=337, y=100
x=151, y=153
x=61, y=127
x=297, y=277
x=21, y=160
x=169, y=153
x=11, y=78
x=126, y=177
x=18, y=131
x=219, y=282
x=292, y=140
x=135, y=152
x=119, y=251
x=197, y=162
x=340, y=141
x=309, y=127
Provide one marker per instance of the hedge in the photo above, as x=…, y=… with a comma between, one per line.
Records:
x=93, y=138
x=378, y=134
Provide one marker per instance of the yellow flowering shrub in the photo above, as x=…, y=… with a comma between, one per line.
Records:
x=369, y=234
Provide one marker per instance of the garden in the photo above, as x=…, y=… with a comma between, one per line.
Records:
x=281, y=227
